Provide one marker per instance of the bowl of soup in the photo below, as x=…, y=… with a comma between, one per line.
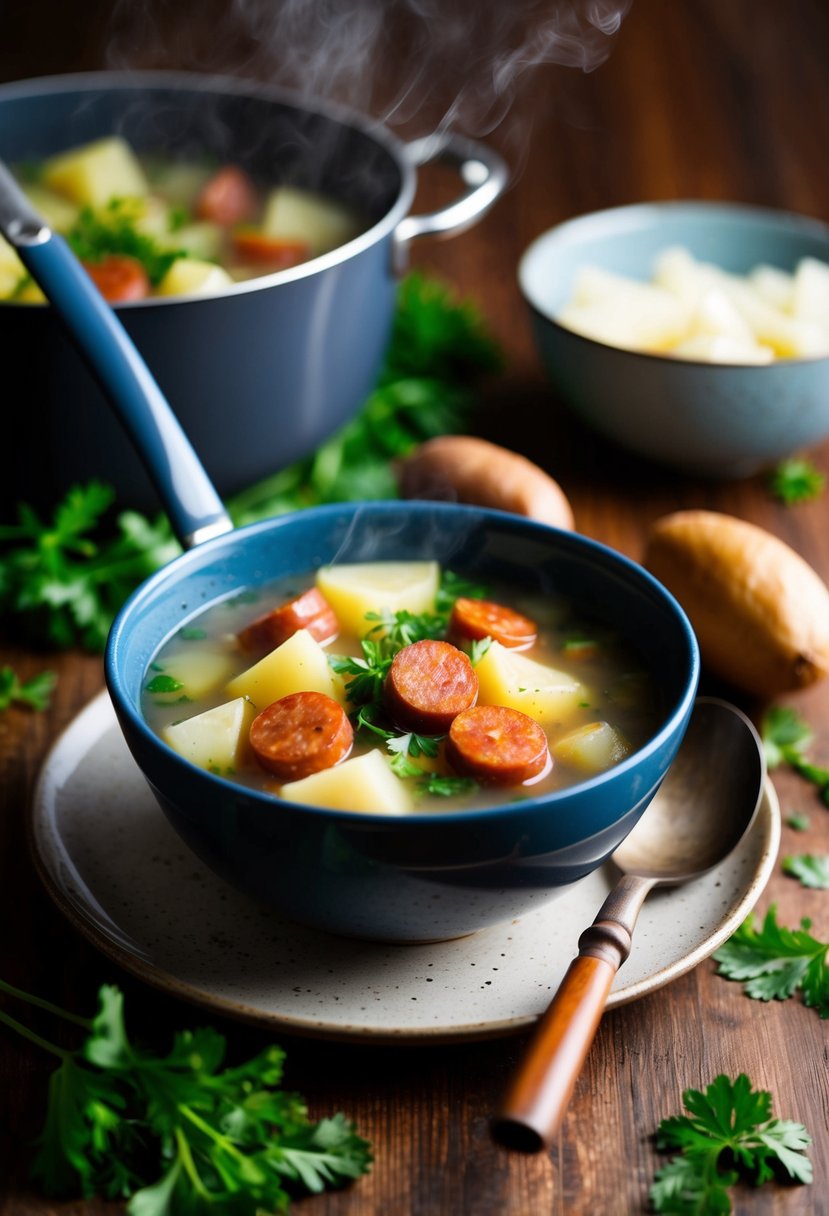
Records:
x=251, y=242
x=403, y=721
x=694, y=334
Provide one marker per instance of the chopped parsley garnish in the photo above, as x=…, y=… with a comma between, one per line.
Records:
x=727, y=1136
x=112, y=229
x=163, y=684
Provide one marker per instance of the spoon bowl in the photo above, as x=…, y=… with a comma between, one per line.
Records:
x=702, y=810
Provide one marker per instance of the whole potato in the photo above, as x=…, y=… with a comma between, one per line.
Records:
x=759, y=610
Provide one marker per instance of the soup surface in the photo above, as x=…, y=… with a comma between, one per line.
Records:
x=398, y=687
x=149, y=226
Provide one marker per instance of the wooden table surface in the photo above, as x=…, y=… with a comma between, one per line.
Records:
x=700, y=99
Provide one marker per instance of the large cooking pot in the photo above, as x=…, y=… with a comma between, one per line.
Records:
x=262, y=373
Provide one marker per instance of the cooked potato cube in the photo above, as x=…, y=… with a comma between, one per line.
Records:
x=97, y=172
x=591, y=748
x=58, y=212
x=355, y=589
x=365, y=783
x=195, y=674
x=787, y=336
x=717, y=315
x=298, y=665
x=677, y=271
x=774, y=286
x=200, y=240
x=193, y=277
x=216, y=739
x=296, y=215
x=507, y=678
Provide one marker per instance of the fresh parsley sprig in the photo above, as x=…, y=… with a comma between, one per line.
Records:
x=786, y=737
x=112, y=230
x=809, y=869
x=181, y=1134
x=773, y=962
x=35, y=693
x=795, y=480
x=728, y=1134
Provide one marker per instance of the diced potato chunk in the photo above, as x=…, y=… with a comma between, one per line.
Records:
x=58, y=212
x=787, y=336
x=623, y=312
x=298, y=665
x=591, y=748
x=12, y=270
x=97, y=172
x=717, y=315
x=201, y=240
x=507, y=678
x=354, y=589
x=193, y=277
x=774, y=286
x=216, y=739
x=296, y=215
x=365, y=783
x=197, y=672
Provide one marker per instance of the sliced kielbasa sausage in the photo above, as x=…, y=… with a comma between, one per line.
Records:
x=119, y=278
x=497, y=745
x=310, y=611
x=301, y=734
x=429, y=683
x=228, y=198
x=474, y=619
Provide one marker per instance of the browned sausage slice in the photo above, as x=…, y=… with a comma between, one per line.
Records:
x=474, y=619
x=119, y=277
x=301, y=734
x=310, y=611
x=497, y=745
x=228, y=198
x=429, y=683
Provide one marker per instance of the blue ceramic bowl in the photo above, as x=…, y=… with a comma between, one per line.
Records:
x=713, y=419
x=422, y=876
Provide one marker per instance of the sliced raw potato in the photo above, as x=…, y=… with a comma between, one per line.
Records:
x=591, y=748
x=774, y=286
x=216, y=739
x=298, y=665
x=193, y=277
x=718, y=316
x=296, y=215
x=623, y=312
x=788, y=337
x=58, y=212
x=196, y=672
x=678, y=272
x=365, y=783
x=810, y=294
x=355, y=589
x=506, y=678
x=97, y=172
x=721, y=348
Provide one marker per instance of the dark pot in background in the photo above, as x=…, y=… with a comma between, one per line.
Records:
x=260, y=375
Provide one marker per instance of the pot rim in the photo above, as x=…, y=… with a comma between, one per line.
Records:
x=135, y=81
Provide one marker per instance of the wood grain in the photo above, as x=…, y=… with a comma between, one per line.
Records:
x=697, y=100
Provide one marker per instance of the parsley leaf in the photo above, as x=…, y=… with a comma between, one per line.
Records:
x=785, y=738
x=810, y=870
x=112, y=229
x=729, y=1133
x=35, y=692
x=799, y=821
x=180, y=1132
x=773, y=962
x=796, y=480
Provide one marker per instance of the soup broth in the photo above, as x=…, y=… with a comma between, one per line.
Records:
x=412, y=657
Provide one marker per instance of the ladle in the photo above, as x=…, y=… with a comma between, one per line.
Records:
x=702, y=810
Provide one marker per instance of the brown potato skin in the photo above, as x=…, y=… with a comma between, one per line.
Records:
x=759, y=610
x=463, y=468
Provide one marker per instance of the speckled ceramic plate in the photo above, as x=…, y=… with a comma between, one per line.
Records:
x=118, y=871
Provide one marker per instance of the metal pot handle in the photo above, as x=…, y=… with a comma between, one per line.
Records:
x=483, y=171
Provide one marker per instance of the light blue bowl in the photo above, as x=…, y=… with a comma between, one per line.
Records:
x=712, y=419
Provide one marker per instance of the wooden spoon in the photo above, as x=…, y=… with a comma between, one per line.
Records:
x=702, y=810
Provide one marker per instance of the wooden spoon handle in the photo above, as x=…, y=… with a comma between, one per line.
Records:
x=538, y=1097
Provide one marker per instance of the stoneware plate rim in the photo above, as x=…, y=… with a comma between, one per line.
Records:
x=90, y=728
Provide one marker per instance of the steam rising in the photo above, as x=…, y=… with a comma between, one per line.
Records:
x=432, y=64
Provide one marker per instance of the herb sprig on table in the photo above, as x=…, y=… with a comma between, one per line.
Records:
x=181, y=1134
x=786, y=738
x=773, y=962
x=727, y=1135
x=796, y=480
x=62, y=579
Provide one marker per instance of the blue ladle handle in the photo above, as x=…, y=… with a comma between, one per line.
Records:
x=195, y=510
